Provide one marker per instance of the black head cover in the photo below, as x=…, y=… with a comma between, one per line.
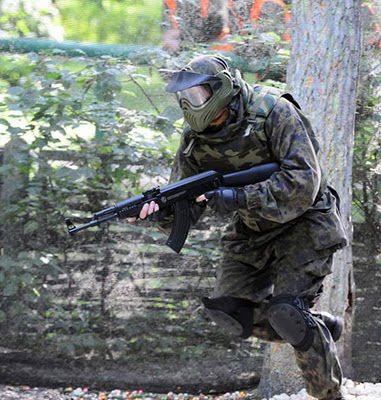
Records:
x=182, y=80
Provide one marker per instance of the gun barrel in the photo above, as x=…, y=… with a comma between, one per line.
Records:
x=252, y=175
x=72, y=229
x=105, y=211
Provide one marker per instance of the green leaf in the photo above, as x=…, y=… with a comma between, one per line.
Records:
x=14, y=106
x=7, y=263
x=155, y=284
x=99, y=134
x=130, y=93
x=2, y=316
x=16, y=90
x=10, y=289
x=31, y=227
x=66, y=172
x=5, y=122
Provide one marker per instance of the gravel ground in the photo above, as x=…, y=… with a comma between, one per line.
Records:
x=352, y=391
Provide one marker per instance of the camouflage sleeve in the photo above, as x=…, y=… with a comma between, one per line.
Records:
x=182, y=167
x=287, y=194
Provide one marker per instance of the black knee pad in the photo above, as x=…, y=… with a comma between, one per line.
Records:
x=231, y=313
x=292, y=321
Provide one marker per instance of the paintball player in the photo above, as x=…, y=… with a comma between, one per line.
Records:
x=213, y=21
x=279, y=244
x=194, y=21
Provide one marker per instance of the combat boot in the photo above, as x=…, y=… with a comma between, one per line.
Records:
x=334, y=324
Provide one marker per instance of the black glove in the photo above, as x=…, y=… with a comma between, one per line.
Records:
x=226, y=199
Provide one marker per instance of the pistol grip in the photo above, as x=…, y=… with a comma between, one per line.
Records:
x=180, y=226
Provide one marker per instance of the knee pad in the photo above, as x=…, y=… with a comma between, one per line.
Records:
x=292, y=321
x=231, y=313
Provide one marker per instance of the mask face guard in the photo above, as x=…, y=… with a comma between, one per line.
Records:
x=200, y=110
x=196, y=96
x=199, y=118
x=184, y=79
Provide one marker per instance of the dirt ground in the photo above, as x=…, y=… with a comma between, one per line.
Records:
x=352, y=391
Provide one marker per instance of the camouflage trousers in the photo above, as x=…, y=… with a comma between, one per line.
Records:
x=266, y=275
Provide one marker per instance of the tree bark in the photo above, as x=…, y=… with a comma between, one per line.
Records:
x=322, y=76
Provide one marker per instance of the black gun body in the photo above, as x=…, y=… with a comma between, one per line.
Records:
x=188, y=188
x=250, y=176
x=178, y=195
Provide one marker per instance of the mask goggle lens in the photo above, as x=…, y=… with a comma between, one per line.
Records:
x=196, y=95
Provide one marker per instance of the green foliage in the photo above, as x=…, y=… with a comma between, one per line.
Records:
x=23, y=292
x=12, y=70
x=105, y=21
x=31, y=18
x=19, y=23
x=112, y=21
x=81, y=144
x=367, y=155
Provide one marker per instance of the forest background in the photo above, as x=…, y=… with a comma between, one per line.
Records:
x=79, y=133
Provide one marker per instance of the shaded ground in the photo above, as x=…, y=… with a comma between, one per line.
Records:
x=229, y=374
x=352, y=391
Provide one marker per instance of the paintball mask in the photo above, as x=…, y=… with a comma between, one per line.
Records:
x=203, y=88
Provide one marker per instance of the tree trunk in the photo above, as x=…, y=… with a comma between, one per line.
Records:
x=13, y=186
x=322, y=76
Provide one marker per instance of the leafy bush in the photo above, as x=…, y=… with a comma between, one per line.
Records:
x=74, y=147
x=112, y=21
x=30, y=18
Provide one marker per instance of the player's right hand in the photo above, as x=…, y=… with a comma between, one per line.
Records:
x=148, y=209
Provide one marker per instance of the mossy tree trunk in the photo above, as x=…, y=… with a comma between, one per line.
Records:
x=322, y=75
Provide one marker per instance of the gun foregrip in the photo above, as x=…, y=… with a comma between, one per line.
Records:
x=180, y=226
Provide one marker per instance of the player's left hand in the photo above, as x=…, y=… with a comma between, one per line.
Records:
x=224, y=199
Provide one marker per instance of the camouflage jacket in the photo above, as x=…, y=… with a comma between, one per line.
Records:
x=267, y=125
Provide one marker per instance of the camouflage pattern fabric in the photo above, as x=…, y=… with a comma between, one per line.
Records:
x=283, y=242
x=272, y=275
x=263, y=128
x=320, y=366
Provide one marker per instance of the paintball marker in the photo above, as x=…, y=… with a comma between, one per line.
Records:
x=178, y=196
